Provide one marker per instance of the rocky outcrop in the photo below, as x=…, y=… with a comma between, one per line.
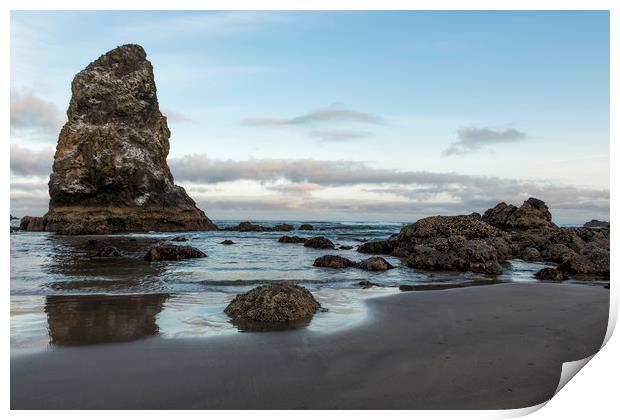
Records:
x=273, y=306
x=366, y=284
x=596, y=224
x=482, y=243
x=306, y=226
x=334, y=261
x=110, y=172
x=251, y=227
x=292, y=240
x=550, y=274
x=166, y=252
x=374, y=264
x=447, y=243
x=533, y=213
x=319, y=242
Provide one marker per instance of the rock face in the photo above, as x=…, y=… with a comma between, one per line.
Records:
x=319, y=242
x=533, y=213
x=110, y=172
x=167, y=252
x=273, y=306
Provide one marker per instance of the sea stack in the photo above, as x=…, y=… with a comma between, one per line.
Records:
x=110, y=172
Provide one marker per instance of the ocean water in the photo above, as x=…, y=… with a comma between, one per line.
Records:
x=61, y=295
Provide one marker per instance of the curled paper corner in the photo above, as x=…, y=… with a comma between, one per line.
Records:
x=520, y=412
x=569, y=370
x=613, y=315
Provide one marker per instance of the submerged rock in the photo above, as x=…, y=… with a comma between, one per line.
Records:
x=227, y=242
x=374, y=264
x=166, y=252
x=367, y=284
x=306, y=226
x=273, y=306
x=550, y=274
x=346, y=247
x=107, y=251
x=334, y=261
x=179, y=239
x=292, y=240
x=319, y=242
x=110, y=172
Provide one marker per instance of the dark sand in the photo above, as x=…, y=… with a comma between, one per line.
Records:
x=490, y=347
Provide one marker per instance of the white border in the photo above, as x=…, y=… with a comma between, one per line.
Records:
x=592, y=394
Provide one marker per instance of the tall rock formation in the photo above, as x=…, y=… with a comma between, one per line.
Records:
x=110, y=172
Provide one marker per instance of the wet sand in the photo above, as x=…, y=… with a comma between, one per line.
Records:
x=491, y=347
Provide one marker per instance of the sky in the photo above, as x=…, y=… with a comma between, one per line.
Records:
x=377, y=116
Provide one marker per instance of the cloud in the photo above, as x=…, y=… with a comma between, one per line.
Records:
x=174, y=116
x=201, y=168
x=27, y=162
x=472, y=192
x=338, y=135
x=30, y=113
x=400, y=195
x=294, y=188
x=472, y=139
x=333, y=113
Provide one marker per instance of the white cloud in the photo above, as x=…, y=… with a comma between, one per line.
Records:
x=472, y=139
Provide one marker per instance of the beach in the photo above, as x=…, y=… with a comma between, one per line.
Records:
x=488, y=347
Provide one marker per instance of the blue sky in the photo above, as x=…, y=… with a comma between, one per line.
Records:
x=342, y=115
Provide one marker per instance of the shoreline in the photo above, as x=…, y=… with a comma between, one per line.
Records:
x=500, y=346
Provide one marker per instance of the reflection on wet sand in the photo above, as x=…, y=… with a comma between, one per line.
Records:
x=75, y=256
x=94, y=319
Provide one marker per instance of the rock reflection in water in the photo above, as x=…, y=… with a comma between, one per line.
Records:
x=94, y=319
x=75, y=256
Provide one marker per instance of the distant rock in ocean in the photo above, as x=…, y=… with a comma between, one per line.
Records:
x=596, y=224
x=110, y=172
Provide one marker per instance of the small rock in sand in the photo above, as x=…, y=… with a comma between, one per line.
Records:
x=274, y=306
